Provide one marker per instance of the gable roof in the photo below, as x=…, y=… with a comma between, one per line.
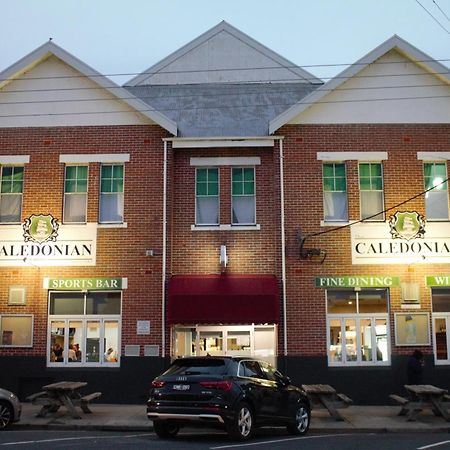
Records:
x=49, y=48
x=221, y=64
x=395, y=42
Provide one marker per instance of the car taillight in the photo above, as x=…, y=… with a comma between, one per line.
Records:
x=224, y=385
x=158, y=383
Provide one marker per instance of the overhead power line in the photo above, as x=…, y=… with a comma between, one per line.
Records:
x=434, y=18
x=441, y=10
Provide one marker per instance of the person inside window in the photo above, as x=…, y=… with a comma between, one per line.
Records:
x=111, y=355
x=58, y=353
x=415, y=368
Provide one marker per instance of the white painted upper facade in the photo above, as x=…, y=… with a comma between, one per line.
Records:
x=222, y=55
x=395, y=83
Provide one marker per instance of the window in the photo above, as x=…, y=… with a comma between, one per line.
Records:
x=436, y=200
x=84, y=328
x=357, y=327
x=243, y=195
x=111, y=193
x=335, y=192
x=207, y=196
x=16, y=330
x=11, y=191
x=75, y=194
x=441, y=324
x=371, y=191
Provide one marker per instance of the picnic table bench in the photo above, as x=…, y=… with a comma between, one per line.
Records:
x=325, y=396
x=420, y=397
x=63, y=393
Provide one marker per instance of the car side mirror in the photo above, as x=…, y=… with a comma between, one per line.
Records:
x=285, y=380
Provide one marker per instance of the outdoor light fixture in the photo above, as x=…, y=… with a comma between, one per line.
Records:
x=152, y=252
x=309, y=253
x=223, y=258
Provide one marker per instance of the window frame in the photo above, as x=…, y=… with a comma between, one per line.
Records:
x=112, y=164
x=75, y=193
x=433, y=191
x=207, y=168
x=237, y=224
x=358, y=317
x=30, y=345
x=13, y=166
x=370, y=163
x=334, y=163
x=445, y=315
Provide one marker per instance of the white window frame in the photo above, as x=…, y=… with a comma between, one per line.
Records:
x=357, y=317
x=2, y=166
x=31, y=334
x=374, y=219
x=73, y=193
x=218, y=197
x=433, y=219
x=84, y=318
x=343, y=220
x=100, y=194
x=243, y=195
x=446, y=317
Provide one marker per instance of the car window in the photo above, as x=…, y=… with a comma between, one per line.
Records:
x=186, y=366
x=270, y=372
x=250, y=369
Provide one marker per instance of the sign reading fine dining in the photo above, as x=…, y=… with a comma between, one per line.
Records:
x=42, y=241
x=369, y=281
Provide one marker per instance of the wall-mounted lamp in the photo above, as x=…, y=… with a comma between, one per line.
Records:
x=152, y=252
x=309, y=253
x=223, y=258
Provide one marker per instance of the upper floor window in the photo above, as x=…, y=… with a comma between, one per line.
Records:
x=371, y=191
x=207, y=196
x=111, y=193
x=243, y=196
x=75, y=194
x=335, y=192
x=436, y=200
x=11, y=192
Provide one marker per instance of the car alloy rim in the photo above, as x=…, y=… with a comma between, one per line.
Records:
x=302, y=419
x=5, y=416
x=245, y=421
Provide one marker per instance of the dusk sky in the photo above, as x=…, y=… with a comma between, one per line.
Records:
x=115, y=36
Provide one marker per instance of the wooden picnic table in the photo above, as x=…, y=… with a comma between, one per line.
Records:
x=63, y=393
x=325, y=396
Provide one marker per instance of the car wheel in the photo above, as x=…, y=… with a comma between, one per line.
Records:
x=302, y=420
x=6, y=414
x=242, y=426
x=165, y=430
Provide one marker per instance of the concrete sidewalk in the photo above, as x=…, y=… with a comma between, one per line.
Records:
x=133, y=418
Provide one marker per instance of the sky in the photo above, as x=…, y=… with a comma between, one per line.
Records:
x=127, y=37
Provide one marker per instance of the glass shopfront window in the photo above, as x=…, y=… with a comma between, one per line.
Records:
x=357, y=327
x=84, y=328
x=441, y=324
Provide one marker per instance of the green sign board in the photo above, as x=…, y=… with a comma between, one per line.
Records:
x=369, y=281
x=83, y=284
x=438, y=280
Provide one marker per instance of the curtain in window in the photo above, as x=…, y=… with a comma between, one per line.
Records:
x=335, y=204
x=207, y=210
x=10, y=207
x=111, y=207
x=243, y=210
x=75, y=208
x=371, y=203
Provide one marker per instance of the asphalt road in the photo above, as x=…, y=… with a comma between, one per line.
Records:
x=211, y=440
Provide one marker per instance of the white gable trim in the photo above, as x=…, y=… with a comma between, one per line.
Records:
x=433, y=156
x=223, y=26
x=352, y=156
x=92, y=157
x=49, y=48
x=14, y=159
x=394, y=42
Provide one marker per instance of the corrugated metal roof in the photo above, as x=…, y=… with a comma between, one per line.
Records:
x=228, y=109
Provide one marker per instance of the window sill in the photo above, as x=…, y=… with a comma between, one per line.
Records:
x=324, y=223
x=226, y=227
x=113, y=225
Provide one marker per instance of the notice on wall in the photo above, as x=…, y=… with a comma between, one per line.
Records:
x=143, y=327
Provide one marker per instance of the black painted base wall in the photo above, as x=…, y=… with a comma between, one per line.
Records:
x=130, y=383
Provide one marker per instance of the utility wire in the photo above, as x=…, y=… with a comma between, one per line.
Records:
x=377, y=214
x=441, y=10
x=434, y=18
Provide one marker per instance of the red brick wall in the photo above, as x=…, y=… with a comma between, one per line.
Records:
x=120, y=251
x=403, y=178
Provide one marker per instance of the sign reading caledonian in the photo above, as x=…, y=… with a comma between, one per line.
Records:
x=405, y=239
x=42, y=241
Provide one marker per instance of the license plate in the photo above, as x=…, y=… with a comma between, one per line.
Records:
x=181, y=387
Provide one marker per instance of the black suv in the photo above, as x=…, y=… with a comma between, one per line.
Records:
x=233, y=393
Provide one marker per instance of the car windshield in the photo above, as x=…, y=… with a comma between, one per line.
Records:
x=197, y=367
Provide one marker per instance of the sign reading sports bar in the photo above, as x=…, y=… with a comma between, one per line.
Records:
x=41, y=241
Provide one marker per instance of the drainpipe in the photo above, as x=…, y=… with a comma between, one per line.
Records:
x=283, y=247
x=164, y=254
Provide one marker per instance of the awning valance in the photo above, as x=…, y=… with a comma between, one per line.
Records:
x=228, y=299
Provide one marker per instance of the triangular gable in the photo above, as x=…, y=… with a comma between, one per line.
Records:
x=395, y=43
x=220, y=55
x=45, y=52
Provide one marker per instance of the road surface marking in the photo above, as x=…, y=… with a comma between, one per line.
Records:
x=433, y=445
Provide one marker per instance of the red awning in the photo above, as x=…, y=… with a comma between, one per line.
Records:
x=223, y=299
